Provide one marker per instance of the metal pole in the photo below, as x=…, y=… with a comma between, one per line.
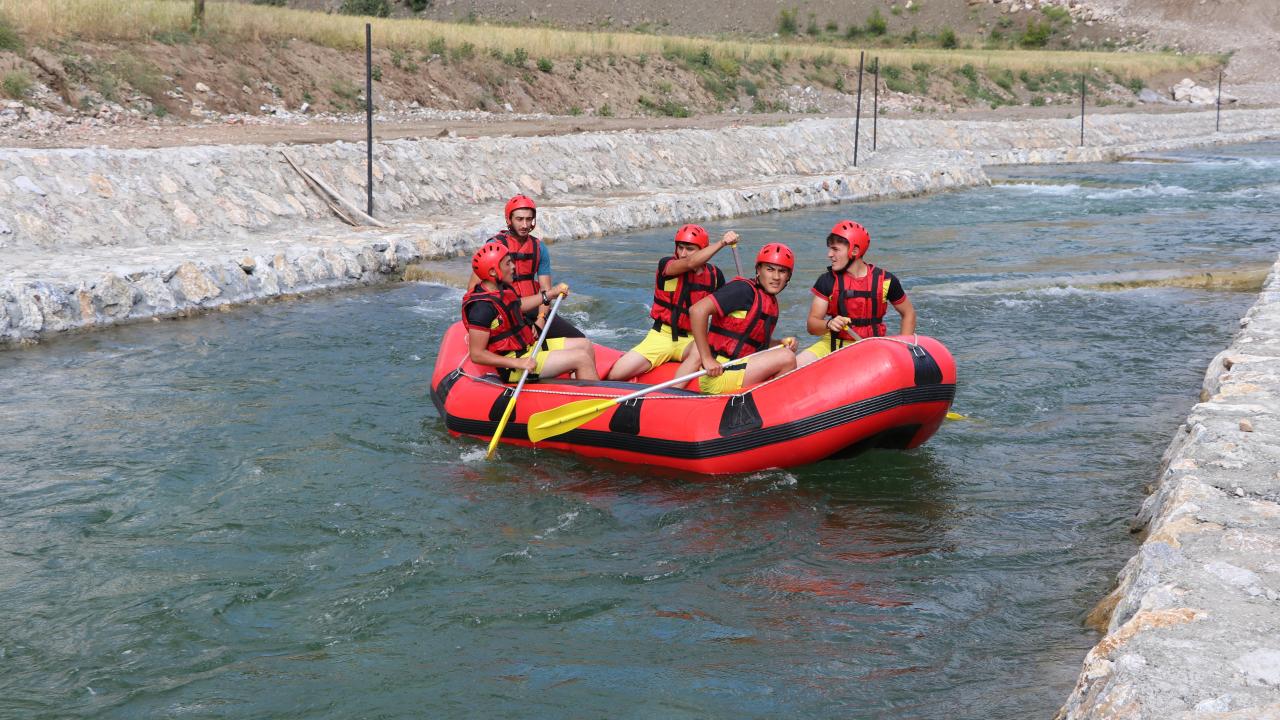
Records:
x=368, y=113
x=857, y=115
x=875, y=107
x=1081, y=109
x=1217, y=118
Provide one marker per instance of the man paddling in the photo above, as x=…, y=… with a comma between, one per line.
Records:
x=682, y=280
x=742, y=316
x=532, y=276
x=851, y=298
x=498, y=333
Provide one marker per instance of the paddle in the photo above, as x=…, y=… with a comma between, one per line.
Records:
x=736, y=262
x=955, y=416
x=511, y=404
x=555, y=421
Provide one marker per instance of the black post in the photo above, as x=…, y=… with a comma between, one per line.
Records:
x=857, y=115
x=1081, y=109
x=368, y=112
x=875, y=106
x=1217, y=118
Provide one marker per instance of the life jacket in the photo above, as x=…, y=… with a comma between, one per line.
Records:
x=732, y=337
x=527, y=256
x=671, y=307
x=863, y=300
x=510, y=333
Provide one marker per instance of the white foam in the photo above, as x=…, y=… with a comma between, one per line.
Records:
x=1152, y=190
x=1038, y=189
x=473, y=455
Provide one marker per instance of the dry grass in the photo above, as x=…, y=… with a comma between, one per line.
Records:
x=48, y=20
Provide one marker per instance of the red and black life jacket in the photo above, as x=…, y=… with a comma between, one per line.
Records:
x=733, y=337
x=863, y=300
x=512, y=333
x=671, y=307
x=527, y=255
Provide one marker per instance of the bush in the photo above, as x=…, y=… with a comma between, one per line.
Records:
x=9, y=38
x=1004, y=78
x=787, y=22
x=947, y=39
x=667, y=107
x=1135, y=85
x=16, y=84
x=517, y=58
x=1036, y=35
x=465, y=51
x=376, y=8
x=605, y=111
x=437, y=46
x=969, y=72
x=272, y=3
x=876, y=24
x=418, y=5
x=545, y=65
x=812, y=28
x=1037, y=101
x=1055, y=13
x=832, y=27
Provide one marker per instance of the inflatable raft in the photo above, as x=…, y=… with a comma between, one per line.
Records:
x=891, y=392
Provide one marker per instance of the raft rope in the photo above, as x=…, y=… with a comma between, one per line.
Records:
x=488, y=379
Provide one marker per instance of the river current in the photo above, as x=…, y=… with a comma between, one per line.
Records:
x=258, y=513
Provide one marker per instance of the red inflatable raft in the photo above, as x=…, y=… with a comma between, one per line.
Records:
x=889, y=392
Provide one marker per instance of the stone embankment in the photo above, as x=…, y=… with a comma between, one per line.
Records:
x=94, y=237
x=1193, y=627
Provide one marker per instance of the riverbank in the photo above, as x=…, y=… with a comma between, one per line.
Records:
x=97, y=237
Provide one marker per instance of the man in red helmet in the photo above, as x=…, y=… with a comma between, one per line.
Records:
x=743, y=314
x=499, y=336
x=532, y=276
x=682, y=280
x=850, y=299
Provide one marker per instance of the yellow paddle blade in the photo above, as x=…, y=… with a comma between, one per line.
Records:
x=550, y=423
x=502, y=425
x=956, y=416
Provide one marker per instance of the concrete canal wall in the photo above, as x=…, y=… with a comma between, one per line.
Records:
x=94, y=237
x=1193, y=627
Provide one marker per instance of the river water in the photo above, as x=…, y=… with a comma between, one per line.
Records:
x=257, y=513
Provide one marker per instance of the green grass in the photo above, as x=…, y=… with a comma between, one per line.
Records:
x=16, y=84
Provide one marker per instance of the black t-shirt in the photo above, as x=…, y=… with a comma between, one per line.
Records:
x=734, y=296
x=826, y=284
x=482, y=314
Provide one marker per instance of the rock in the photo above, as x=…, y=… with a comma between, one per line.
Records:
x=115, y=296
x=27, y=184
x=1261, y=666
x=1246, y=425
x=247, y=264
x=1149, y=96
x=202, y=88
x=194, y=285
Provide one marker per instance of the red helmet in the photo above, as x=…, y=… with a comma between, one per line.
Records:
x=777, y=254
x=489, y=257
x=692, y=234
x=857, y=236
x=519, y=202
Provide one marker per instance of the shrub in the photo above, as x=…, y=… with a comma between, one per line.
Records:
x=376, y=72
x=437, y=46
x=1056, y=13
x=605, y=111
x=667, y=107
x=16, y=84
x=1036, y=35
x=832, y=27
x=465, y=51
x=1135, y=85
x=418, y=5
x=812, y=28
x=853, y=31
x=376, y=8
x=787, y=22
x=545, y=65
x=876, y=24
x=947, y=39
x=1004, y=78
x=1037, y=101
x=969, y=72
x=9, y=38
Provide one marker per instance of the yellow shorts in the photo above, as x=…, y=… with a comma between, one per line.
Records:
x=657, y=347
x=510, y=375
x=729, y=381
x=822, y=348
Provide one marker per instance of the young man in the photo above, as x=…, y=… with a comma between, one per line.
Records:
x=851, y=297
x=532, y=276
x=743, y=314
x=682, y=280
x=498, y=334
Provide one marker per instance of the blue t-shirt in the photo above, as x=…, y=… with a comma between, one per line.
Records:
x=544, y=265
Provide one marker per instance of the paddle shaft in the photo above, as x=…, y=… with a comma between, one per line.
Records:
x=565, y=423
x=511, y=404
x=736, y=262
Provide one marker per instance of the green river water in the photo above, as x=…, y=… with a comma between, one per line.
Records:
x=258, y=513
